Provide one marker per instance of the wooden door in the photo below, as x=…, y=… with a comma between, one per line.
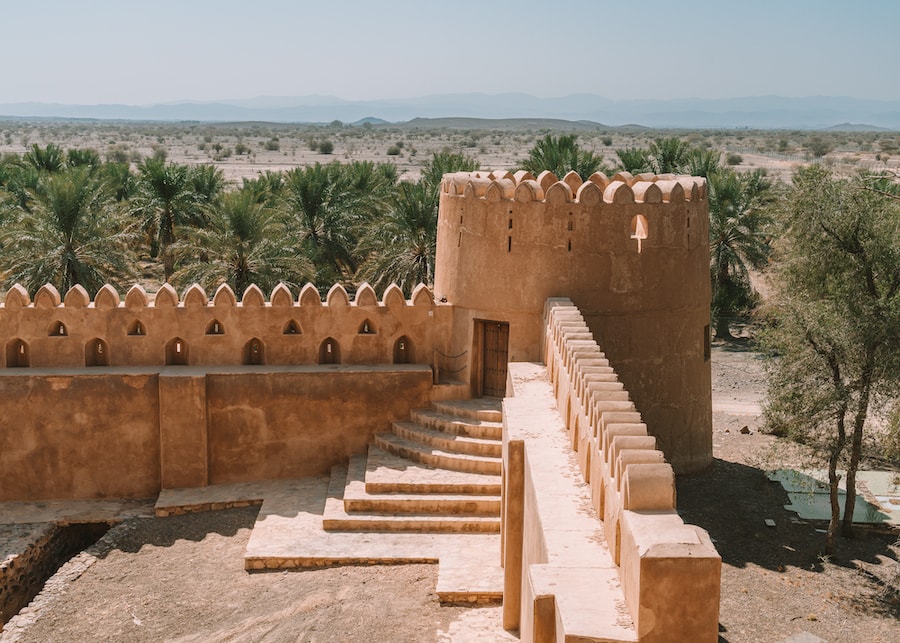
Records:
x=494, y=346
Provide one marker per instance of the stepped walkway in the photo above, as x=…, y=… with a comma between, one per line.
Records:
x=427, y=491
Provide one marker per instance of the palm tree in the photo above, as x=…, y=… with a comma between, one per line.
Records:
x=244, y=243
x=738, y=240
x=48, y=159
x=85, y=157
x=207, y=182
x=266, y=188
x=72, y=234
x=699, y=162
x=442, y=163
x=165, y=199
x=634, y=160
x=401, y=246
x=560, y=155
x=327, y=212
x=668, y=155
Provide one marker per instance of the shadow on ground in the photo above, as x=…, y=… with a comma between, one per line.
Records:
x=165, y=532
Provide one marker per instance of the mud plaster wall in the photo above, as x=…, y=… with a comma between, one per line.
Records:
x=129, y=434
x=507, y=243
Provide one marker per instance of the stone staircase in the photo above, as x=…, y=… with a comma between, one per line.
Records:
x=437, y=473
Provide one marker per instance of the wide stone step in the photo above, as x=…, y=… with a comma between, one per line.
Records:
x=482, y=408
x=389, y=473
x=336, y=518
x=458, y=425
x=448, y=442
x=357, y=499
x=418, y=452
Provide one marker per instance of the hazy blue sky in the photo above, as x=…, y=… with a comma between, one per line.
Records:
x=149, y=51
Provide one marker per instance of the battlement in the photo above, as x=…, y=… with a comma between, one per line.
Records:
x=73, y=330
x=623, y=188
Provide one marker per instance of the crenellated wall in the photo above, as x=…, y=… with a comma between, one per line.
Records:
x=631, y=252
x=75, y=331
x=121, y=398
x=569, y=574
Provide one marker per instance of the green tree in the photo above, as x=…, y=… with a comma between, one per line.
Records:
x=83, y=158
x=327, y=213
x=836, y=322
x=48, y=159
x=400, y=246
x=266, y=188
x=207, y=182
x=244, y=242
x=165, y=200
x=445, y=162
x=561, y=155
x=700, y=162
x=668, y=155
x=738, y=241
x=634, y=160
x=819, y=147
x=73, y=233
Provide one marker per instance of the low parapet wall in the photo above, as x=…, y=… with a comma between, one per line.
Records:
x=592, y=544
x=73, y=330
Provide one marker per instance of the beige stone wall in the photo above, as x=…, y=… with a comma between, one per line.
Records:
x=508, y=242
x=65, y=434
x=120, y=432
x=90, y=408
x=76, y=331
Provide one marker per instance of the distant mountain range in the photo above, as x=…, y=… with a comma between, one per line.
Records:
x=760, y=112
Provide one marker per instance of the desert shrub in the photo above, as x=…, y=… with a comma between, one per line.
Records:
x=734, y=159
x=159, y=152
x=272, y=144
x=240, y=148
x=326, y=147
x=393, y=150
x=819, y=147
x=117, y=154
x=607, y=141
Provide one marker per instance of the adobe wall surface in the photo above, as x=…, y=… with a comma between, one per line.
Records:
x=120, y=398
x=73, y=435
x=65, y=331
x=296, y=424
x=78, y=434
x=507, y=243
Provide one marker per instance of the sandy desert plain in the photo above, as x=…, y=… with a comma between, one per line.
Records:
x=246, y=150
x=182, y=578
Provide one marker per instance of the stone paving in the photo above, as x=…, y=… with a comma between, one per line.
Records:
x=288, y=534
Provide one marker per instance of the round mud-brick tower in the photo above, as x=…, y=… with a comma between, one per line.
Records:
x=632, y=252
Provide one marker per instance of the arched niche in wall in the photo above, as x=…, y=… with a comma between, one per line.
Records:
x=177, y=352
x=403, y=351
x=96, y=353
x=330, y=351
x=292, y=328
x=254, y=352
x=215, y=327
x=640, y=230
x=367, y=328
x=18, y=354
x=57, y=329
x=136, y=328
